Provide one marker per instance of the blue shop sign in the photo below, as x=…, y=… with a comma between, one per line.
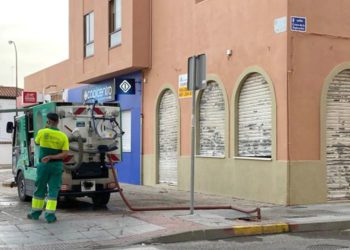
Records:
x=102, y=92
x=125, y=86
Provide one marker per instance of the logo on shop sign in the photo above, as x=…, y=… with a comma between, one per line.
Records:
x=125, y=86
x=86, y=95
x=100, y=92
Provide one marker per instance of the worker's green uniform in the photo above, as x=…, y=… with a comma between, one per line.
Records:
x=51, y=142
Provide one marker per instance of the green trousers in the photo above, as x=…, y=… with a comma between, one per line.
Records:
x=48, y=184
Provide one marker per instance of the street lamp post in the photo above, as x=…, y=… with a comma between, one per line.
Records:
x=14, y=44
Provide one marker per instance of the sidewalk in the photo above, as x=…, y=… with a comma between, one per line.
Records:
x=82, y=227
x=218, y=224
x=5, y=166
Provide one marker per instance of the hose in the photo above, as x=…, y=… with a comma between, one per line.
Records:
x=135, y=209
x=79, y=139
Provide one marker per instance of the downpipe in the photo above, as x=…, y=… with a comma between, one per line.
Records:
x=144, y=209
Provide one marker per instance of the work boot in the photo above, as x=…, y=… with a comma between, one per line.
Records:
x=34, y=215
x=50, y=217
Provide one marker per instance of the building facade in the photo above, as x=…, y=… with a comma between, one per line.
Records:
x=272, y=123
x=126, y=90
x=7, y=101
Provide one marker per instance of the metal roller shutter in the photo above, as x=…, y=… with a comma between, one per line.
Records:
x=168, y=123
x=338, y=137
x=254, y=118
x=212, y=121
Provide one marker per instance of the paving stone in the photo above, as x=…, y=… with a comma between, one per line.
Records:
x=30, y=227
x=81, y=226
x=100, y=235
x=65, y=236
x=8, y=228
x=134, y=230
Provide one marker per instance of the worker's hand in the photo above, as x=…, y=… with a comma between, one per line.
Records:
x=46, y=159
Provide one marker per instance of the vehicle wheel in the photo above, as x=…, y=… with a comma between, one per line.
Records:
x=21, y=188
x=101, y=199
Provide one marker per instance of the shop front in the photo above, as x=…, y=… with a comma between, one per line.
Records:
x=127, y=91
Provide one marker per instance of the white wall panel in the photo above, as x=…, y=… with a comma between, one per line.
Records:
x=126, y=123
x=5, y=138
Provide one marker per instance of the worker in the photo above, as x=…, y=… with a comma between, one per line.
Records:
x=54, y=146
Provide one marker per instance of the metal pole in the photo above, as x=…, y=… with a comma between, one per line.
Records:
x=14, y=44
x=193, y=140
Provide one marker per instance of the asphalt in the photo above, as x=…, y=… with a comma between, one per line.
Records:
x=81, y=226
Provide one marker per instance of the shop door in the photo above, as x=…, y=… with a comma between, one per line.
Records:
x=212, y=122
x=338, y=137
x=254, y=118
x=168, y=139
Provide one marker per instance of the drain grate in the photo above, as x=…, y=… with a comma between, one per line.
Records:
x=327, y=247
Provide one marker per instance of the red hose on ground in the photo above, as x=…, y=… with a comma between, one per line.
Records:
x=256, y=210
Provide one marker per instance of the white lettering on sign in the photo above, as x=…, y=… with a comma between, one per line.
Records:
x=29, y=97
x=98, y=93
x=298, y=23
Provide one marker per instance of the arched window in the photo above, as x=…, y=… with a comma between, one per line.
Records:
x=212, y=121
x=168, y=138
x=254, y=118
x=338, y=137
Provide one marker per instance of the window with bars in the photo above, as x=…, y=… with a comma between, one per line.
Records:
x=115, y=22
x=89, y=34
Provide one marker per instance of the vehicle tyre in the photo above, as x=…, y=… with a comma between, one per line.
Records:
x=21, y=188
x=101, y=199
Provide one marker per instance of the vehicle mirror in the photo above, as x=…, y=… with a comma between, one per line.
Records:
x=9, y=127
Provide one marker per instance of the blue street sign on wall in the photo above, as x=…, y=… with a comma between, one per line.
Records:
x=298, y=23
x=125, y=86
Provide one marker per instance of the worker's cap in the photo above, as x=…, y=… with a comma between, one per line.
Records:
x=52, y=116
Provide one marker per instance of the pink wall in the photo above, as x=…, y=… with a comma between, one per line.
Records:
x=60, y=74
x=311, y=58
x=183, y=29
